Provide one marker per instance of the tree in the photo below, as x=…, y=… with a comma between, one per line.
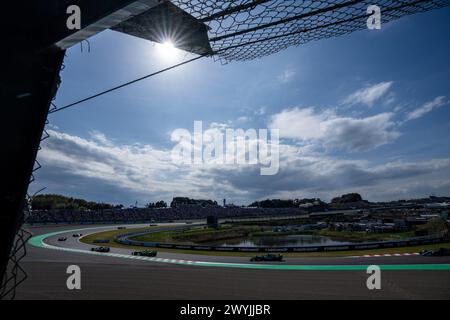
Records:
x=161, y=204
x=56, y=202
x=347, y=198
x=156, y=205
x=438, y=226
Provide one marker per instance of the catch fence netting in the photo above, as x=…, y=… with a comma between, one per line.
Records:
x=243, y=30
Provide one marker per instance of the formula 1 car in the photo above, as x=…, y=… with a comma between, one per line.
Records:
x=101, y=249
x=77, y=235
x=145, y=253
x=62, y=239
x=268, y=258
x=442, y=252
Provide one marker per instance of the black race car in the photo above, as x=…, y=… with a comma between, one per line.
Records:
x=268, y=258
x=101, y=249
x=442, y=252
x=62, y=239
x=77, y=235
x=145, y=253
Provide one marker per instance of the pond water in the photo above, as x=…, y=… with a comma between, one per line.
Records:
x=281, y=241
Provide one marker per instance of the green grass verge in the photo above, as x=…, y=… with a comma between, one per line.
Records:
x=109, y=235
x=197, y=235
x=364, y=236
x=201, y=235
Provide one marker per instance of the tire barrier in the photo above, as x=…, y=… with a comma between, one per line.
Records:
x=124, y=239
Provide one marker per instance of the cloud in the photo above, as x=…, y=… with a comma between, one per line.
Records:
x=101, y=138
x=261, y=111
x=426, y=108
x=135, y=168
x=333, y=131
x=125, y=173
x=98, y=168
x=299, y=124
x=328, y=177
x=243, y=119
x=286, y=76
x=369, y=95
x=360, y=134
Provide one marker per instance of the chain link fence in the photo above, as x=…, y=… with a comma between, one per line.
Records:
x=15, y=274
x=243, y=30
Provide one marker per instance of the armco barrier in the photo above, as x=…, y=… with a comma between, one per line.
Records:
x=124, y=239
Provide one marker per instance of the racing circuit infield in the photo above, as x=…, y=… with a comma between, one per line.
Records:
x=119, y=275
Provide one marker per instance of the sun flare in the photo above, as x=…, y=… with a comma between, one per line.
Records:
x=167, y=51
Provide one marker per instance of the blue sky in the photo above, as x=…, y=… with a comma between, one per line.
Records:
x=367, y=112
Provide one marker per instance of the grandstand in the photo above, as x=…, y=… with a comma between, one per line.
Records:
x=146, y=215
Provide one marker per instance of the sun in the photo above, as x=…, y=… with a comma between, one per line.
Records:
x=167, y=51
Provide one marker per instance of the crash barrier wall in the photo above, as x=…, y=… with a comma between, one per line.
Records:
x=124, y=239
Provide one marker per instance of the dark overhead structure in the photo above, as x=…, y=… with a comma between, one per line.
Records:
x=35, y=37
x=168, y=23
x=154, y=20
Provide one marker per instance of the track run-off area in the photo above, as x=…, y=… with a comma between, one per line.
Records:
x=385, y=262
x=184, y=276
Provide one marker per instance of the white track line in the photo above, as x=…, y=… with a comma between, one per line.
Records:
x=387, y=255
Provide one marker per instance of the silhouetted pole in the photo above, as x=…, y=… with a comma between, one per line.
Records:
x=34, y=38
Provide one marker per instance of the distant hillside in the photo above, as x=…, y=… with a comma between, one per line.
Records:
x=347, y=201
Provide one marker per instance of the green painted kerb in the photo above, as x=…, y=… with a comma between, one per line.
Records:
x=38, y=241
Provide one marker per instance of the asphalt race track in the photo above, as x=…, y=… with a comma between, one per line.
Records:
x=200, y=277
